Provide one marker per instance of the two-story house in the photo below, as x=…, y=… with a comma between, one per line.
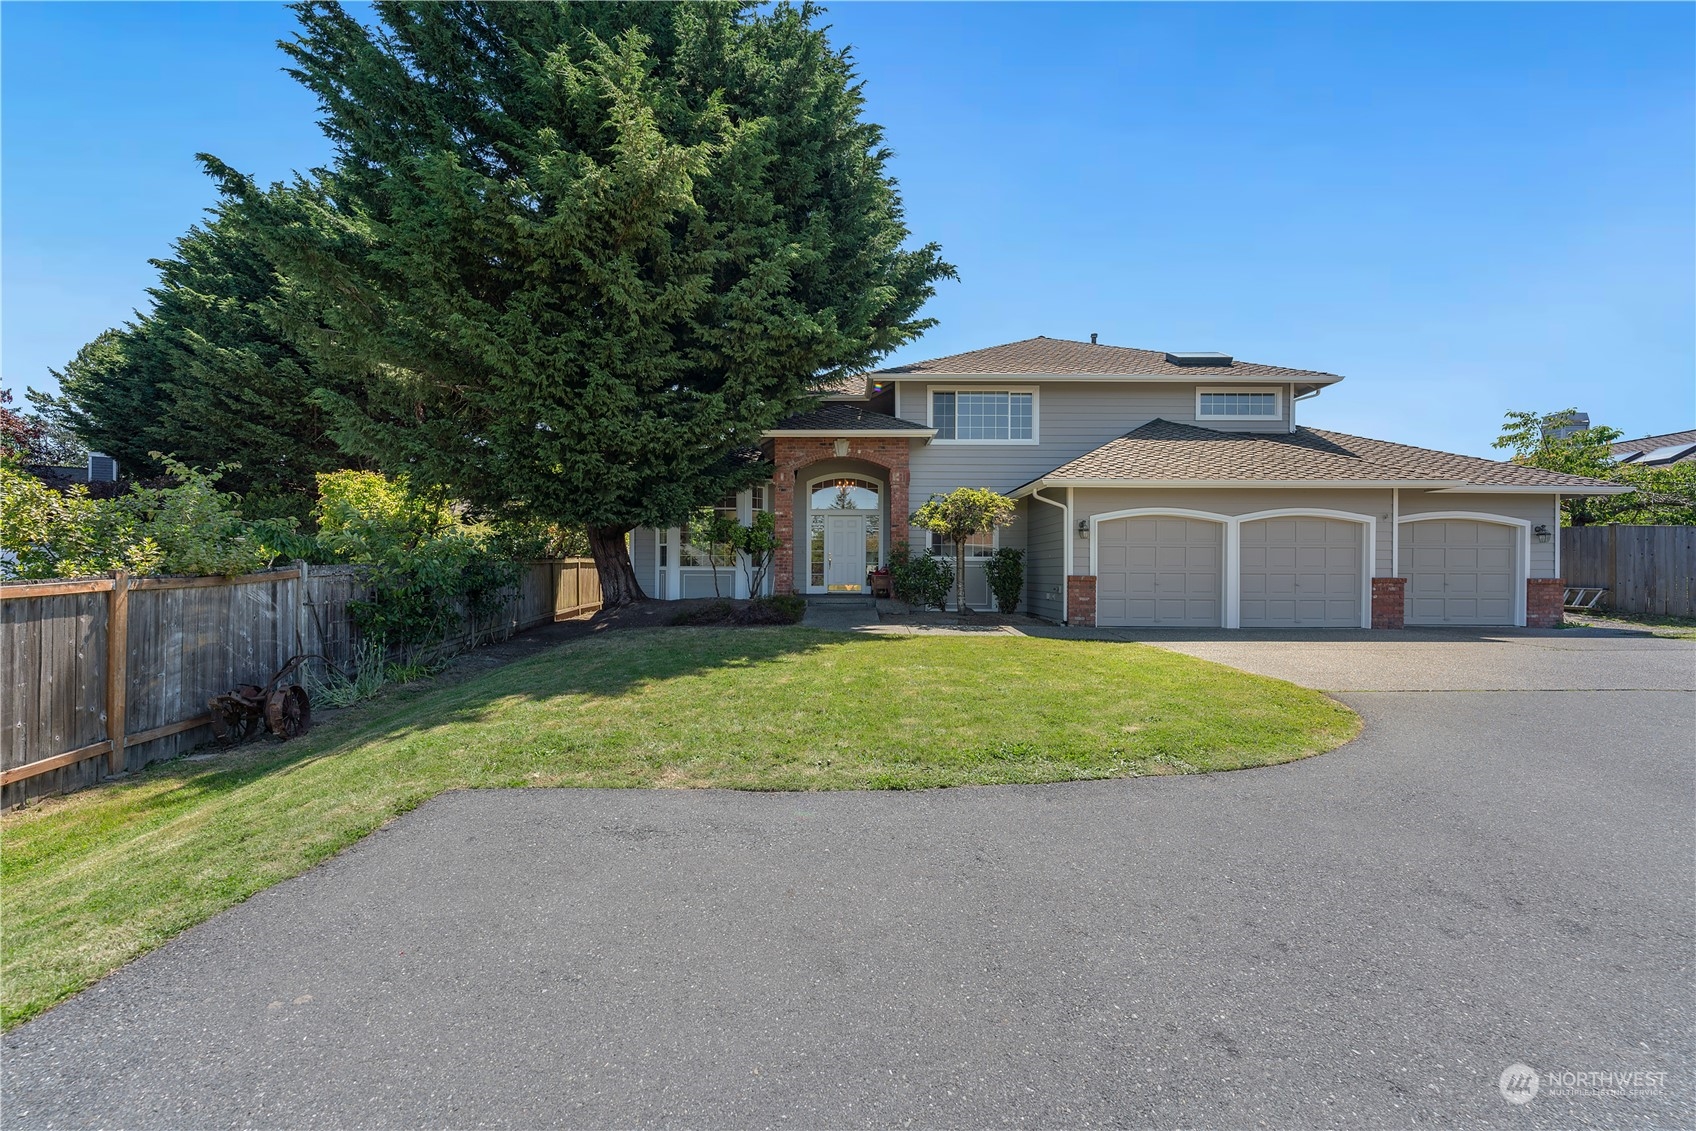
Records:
x=1153, y=489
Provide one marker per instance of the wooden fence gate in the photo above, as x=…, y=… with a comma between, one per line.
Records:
x=106, y=675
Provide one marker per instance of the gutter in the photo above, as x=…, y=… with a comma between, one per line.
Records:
x=1279, y=484
x=1065, y=546
x=879, y=433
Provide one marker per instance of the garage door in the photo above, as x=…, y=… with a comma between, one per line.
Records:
x=1460, y=572
x=1301, y=573
x=1159, y=571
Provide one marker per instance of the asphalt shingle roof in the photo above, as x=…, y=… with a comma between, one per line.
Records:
x=853, y=385
x=1060, y=357
x=1647, y=444
x=844, y=416
x=1163, y=451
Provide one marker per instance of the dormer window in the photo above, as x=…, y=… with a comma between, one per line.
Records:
x=1239, y=404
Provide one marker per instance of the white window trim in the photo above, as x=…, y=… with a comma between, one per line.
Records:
x=948, y=552
x=1277, y=395
x=1036, y=412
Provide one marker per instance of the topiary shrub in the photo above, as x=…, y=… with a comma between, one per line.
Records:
x=1005, y=571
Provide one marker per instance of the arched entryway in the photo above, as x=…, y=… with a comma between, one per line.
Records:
x=812, y=475
x=845, y=532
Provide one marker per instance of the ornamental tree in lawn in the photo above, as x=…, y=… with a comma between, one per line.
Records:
x=957, y=516
x=581, y=256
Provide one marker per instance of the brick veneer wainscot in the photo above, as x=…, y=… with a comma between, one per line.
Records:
x=1545, y=602
x=1080, y=600
x=1389, y=602
x=793, y=453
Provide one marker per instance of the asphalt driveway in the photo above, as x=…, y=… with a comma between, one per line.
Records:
x=1497, y=872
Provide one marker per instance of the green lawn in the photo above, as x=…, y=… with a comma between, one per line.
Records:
x=97, y=878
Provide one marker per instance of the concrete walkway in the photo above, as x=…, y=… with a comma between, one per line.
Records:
x=847, y=613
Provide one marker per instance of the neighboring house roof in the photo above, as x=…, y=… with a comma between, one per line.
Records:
x=838, y=417
x=1162, y=452
x=1058, y=357
x=1657, y=451
x=62, y=479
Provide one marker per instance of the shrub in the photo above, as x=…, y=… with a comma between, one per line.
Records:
x=784, y=608
x=713, y=612
x=428, y=569
x=1005, y=571
x=921, y=580
x=190, y=527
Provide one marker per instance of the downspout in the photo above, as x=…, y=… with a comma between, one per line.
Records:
x=1557, y=535
x=1065, y=544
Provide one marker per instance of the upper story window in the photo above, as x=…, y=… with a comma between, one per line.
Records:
x=1239, y=404
x=995, y=415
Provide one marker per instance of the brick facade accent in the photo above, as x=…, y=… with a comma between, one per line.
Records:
x=1080, y=600
x=1389, y=602
x=1545, y=602
x=791, y=454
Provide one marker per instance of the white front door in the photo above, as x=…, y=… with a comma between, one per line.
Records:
x=845, y=553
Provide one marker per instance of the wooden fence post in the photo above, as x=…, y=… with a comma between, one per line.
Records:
x=117, y=662
x=1614, y=601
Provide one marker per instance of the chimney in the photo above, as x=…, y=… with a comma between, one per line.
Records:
x=1092, y=338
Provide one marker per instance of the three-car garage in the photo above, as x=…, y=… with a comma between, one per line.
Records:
x=1189, y=569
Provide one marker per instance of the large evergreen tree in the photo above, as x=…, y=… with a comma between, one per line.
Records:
x=581, y=255
x=208, y=376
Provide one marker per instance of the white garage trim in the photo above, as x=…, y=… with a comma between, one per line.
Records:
x=1522, y=569
x=1368, y=549
x=1232, y=563
x=1227, y=565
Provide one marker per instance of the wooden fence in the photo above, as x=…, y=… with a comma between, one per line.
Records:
x=1645, y=569
x=138, y=658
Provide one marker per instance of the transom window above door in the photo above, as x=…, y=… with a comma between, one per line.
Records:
x=845, y=494
x=993, y=415
x=1238, y=404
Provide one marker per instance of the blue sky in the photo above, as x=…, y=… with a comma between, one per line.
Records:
x=1465, y=209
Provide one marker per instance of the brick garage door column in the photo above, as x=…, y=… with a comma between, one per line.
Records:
x=1389, y=602
x=1080, y=600
x=792, y=454
x=1545, y=602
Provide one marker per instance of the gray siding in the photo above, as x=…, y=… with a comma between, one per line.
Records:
x=1044, y=579
x=642, y=554
x=1072, y=418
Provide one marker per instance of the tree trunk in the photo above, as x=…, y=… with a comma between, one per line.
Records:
x=612, y=561
x=960, y=577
